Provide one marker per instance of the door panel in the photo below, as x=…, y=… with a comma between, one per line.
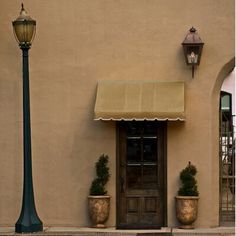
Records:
x=141, y=174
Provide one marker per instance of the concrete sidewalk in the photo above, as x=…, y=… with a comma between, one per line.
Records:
x=74, y=231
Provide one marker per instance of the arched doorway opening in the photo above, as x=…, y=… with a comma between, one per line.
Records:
x=216, y=149
x=227, y=151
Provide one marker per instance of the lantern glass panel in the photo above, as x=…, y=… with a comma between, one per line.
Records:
x=24, y=32
x=192, y=54
x=192, y=58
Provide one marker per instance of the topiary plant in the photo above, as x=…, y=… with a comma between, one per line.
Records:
x=189, y=183
x=98, y=185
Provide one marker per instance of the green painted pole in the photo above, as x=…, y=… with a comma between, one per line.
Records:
x=28, y=221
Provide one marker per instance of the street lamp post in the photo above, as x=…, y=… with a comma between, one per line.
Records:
x=24, y=29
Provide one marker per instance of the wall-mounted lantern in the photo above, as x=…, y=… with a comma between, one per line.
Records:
x=192, y=46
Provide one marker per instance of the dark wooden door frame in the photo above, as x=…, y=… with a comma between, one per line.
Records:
x=164, y=123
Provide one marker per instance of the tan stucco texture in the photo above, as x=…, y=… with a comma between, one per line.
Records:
x=78, y=43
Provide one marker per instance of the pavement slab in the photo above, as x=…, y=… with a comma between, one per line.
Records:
x=112, y=231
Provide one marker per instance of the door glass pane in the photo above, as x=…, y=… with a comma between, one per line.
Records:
x=133, y=128
x=133, y=150
x=225, y=103
x=134, y=174
x=149, y=128
x=149, y=150
x=149, y=176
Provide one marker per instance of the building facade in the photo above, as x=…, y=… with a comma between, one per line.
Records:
x=128, y=51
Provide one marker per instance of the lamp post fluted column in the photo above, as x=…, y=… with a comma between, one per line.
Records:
x=24, y=29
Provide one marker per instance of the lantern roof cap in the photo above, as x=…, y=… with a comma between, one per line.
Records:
x=23, y=17
x=192, y=37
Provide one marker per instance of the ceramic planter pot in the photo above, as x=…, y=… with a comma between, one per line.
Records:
x=99, y=207
x=186, y=211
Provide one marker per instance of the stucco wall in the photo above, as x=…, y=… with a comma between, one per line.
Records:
x=79, y=42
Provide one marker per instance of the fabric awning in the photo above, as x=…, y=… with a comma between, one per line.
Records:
x=139, y=100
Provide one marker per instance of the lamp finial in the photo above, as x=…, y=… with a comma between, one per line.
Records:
x=192, y=30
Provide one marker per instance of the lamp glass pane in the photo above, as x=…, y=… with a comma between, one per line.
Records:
x=24, y=32
x=192, y=59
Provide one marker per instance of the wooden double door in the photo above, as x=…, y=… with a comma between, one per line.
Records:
x=141, y=174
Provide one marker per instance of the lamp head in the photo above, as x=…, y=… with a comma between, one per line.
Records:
x=24, y=28
x=192, y=46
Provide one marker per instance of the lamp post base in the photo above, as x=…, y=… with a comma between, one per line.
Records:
x=21, y=228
